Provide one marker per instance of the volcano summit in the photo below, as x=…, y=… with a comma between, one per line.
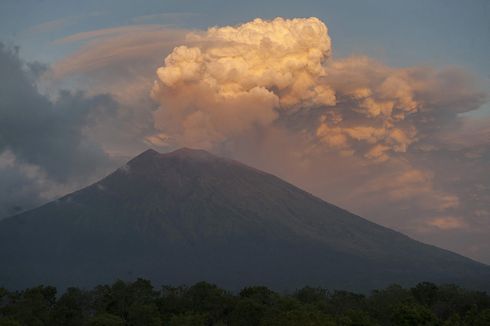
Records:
x=188, y=215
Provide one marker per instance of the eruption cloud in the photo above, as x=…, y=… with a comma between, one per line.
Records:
x=229, y=80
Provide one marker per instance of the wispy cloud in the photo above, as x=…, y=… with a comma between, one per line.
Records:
x=447, y=223
x=112, y=46
x=51, y=25
x=58, y=24
x=167, y=18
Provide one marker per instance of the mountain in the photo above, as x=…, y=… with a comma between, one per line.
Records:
x=187, y=216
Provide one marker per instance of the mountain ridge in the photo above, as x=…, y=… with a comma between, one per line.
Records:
x=189, y=215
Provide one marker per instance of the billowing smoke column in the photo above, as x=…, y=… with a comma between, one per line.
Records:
x=229, y=80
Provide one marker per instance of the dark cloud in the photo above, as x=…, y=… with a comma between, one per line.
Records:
x=119, y=61
x=17, y=190
x=46, y=139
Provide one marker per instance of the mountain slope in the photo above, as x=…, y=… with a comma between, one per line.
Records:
x=188, y=215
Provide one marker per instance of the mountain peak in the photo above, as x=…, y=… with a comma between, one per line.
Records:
x=188, y=215
x=149, y=152
x=186, y=152
x=151, y=161
x=181, y=153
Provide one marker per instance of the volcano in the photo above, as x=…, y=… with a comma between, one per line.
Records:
x=189, y=216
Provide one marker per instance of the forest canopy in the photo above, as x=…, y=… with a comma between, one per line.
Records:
x=139, y=303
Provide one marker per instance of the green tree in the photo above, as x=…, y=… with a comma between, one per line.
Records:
x=210, y=300
x=413, y=315
x=425, y=293
x=454, y=320
x=71, y=308
x=121, y=296
x=32, y=307
x=170, y=302
x=314, y=296
x=7, y=321
x=296, y=317
x=260, y=294
x=141, y=314
x=355, y=318
x=247, y=312
x=105, y=319
x=189, y=319
x=483, y=318
x=382, y=303
x=341, y=301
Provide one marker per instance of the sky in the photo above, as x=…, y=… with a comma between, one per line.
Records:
x=380, y=107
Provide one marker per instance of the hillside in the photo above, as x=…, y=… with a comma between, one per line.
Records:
x=189, y=216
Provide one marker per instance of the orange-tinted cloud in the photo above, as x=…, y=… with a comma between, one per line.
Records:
x=227, y=80
x=447, y=223
x=232, y=78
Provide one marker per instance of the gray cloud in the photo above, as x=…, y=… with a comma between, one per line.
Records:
x=119, y=61
x=46, y=139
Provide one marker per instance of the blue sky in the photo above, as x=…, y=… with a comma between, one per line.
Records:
x=400, y=33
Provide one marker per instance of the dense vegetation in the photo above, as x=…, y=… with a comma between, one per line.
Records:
x=138, y=303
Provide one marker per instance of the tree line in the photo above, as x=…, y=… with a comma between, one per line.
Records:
x=138, y=303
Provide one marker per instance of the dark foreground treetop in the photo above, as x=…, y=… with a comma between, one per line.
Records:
x=202, y=304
